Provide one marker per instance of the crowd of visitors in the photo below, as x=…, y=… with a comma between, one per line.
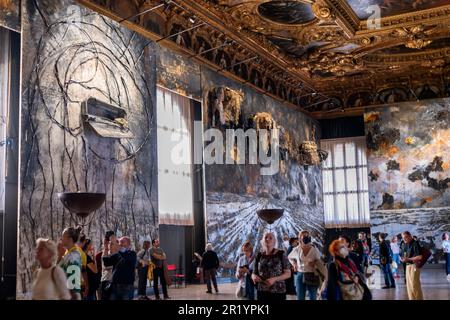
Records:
x=344, y=277
x=70, y=269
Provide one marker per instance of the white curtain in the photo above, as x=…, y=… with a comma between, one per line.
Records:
x=345, y=183
x=175, y=129
x=4, y=102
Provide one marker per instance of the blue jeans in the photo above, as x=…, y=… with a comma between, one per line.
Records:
x=123, y=292
x=91, y=297
x=447, y=262
x=388, y=277
x=302, y=287
x=396, y=258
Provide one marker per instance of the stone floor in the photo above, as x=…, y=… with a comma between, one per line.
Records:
x=434, y=286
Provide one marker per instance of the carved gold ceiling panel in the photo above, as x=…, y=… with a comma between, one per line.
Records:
x=340, y=48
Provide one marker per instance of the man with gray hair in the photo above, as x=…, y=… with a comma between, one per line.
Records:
x=410, y=257
x=123, y=260
x=210, y=264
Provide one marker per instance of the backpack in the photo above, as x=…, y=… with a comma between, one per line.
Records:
x=426, y=254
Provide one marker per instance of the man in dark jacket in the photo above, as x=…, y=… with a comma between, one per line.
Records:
x=123, y=260
x=210, y=263
x=385, y=262
x=363, y=250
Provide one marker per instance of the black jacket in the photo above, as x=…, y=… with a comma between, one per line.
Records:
x=210, y=260
x=124, y=264
x=356, y=258
x=385, y=253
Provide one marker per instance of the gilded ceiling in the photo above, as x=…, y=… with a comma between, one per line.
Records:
x=291, y=49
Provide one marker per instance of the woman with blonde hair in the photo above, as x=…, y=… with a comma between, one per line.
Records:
x=50, y=282
x=271, y=270
x=244, y=270
x=210, y=264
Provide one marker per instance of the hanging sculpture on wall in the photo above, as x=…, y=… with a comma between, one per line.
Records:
x=263, y=120
x=106, y=120
x=225, y=107
x=225, y=112
x=309, y=154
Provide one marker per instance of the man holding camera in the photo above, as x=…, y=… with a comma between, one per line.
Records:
x=123, y=260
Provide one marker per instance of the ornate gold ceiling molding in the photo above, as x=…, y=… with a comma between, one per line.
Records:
x=408, y=58
x=216, y=15
x=424, y=17
x=261, y=74
x=334, y=53
x=346, y=17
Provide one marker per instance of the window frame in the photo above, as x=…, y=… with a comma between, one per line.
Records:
x=333, y=218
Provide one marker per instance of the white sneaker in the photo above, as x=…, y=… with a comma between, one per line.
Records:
x=448, y=277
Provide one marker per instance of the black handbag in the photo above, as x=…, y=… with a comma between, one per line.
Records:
x=311, y=279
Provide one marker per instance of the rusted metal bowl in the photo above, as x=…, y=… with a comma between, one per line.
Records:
x=82, y=204
x=270, y=215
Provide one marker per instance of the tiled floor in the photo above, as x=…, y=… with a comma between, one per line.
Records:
x=434, y=286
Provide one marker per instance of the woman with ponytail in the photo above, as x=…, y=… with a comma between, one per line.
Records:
x=69, y=259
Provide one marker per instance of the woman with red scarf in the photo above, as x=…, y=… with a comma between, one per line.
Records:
x=345, y=281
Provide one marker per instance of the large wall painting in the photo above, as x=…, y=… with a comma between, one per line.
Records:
x=408, y=155
x=72, y=55
x=234, y=193
x=408, y=148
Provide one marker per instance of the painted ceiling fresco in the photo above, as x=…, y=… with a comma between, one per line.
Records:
x=287, y=12
x=393, y=7
x=408, y=155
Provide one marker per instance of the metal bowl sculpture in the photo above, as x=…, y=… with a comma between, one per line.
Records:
x=82, y=204
x=270, y=215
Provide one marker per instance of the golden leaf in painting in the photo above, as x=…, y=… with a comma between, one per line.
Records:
x=410, y=140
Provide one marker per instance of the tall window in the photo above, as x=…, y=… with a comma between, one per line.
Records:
x=345, y=183
x=175, y=158
x=4, y=102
